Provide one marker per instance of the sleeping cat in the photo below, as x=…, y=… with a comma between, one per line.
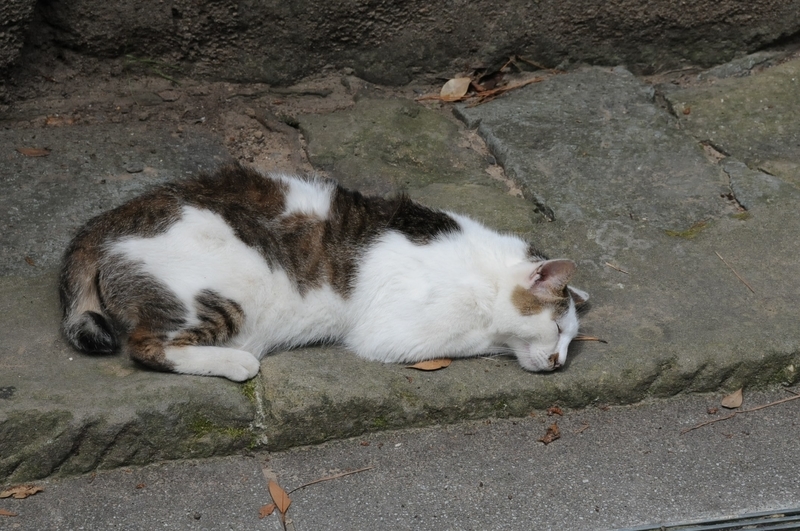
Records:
x=206, y=275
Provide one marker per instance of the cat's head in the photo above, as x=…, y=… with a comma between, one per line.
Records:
x=536, y=313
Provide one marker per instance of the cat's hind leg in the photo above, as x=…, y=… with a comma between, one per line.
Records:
x=157, y=352
x=198, y=350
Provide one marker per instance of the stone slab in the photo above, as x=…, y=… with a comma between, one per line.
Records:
x=753, y=119
x=591, y=144
x=389, y=146
x=89, y=169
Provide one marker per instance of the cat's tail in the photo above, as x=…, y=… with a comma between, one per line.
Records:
x=84, y=322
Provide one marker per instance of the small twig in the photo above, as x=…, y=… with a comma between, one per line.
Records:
x=712, y=421
x=706, y=423
x=322, y=93
x=790, y=391
x=328, y=478
x=589, y=338
x=735, y=273
x=538, y=65
x=617, y=268
x=581, y=429
x=510, y=61
x=489, y=95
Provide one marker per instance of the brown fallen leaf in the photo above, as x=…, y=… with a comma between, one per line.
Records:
x=733, y=400
x=552, y=434
x=29, y=261
x=455, y=89
x=34, y=152
x=56, y=121
x=266, y=510
x=281, y=499
x=20, y=492
x=4, y=512
x=554, y=410
x=431, y=365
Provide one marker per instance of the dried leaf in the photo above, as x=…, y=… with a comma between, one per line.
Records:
x=279, y=496
x=3, y=512
x=552, y=434
x=455, y=89
x=733, y=400
x=56, y=121
x=266, y=510
x=34, y=152
x=21, y=492
x=29, y=261
x=554, y=410
x=431, y=365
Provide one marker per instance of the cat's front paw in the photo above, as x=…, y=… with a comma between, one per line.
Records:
x=241, y=368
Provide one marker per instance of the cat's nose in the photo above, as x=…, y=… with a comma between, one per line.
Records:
x=553, y=360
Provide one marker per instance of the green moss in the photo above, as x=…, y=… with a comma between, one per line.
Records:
x=741, y=215
x=690, y=233
x=380, y=423
x=248, y=389
x=201, y=426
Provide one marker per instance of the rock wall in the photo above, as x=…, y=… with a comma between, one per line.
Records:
x=15, y=19
x=394, y=41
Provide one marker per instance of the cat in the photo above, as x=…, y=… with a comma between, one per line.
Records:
x=206, y=275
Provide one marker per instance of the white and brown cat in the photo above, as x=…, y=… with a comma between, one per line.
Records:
x=207, y=275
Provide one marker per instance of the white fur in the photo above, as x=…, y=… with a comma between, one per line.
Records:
x=202, y=252
x=236, y=365
x=410, y=302
x=310, y=197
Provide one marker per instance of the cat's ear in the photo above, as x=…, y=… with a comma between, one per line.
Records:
x=579, y=297
x=551, y=277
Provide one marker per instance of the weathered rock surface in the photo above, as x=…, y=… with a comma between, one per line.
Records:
x=15, y=19
x=394, y=42
x=592, y=145
x=752, y=119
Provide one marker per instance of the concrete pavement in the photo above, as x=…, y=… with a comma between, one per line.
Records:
x=613, y=468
